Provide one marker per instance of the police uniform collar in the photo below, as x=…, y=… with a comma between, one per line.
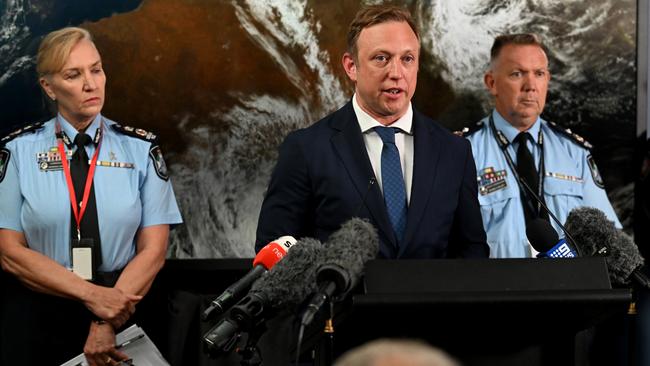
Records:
x=367, y=123
x=71, y=132
x=510, y=132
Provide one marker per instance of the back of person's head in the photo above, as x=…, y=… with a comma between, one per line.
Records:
x=395, y=352
x=373, y=15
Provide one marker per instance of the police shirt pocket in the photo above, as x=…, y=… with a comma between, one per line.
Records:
x=565, y=193
x=501, y=212
x=568, y=186
x=494, y=205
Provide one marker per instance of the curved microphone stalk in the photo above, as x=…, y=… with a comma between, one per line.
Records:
x=567, y=233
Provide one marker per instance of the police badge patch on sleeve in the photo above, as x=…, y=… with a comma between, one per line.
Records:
x=594, y=172
x=4, y=162
x=159, y=162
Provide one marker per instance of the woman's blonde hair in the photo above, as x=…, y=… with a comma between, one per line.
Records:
x=56, y=47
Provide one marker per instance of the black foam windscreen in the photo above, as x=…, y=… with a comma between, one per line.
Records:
x=624, y=259
x=592, y=230
x=290, y=281
x=541, y=235
x=348, y=249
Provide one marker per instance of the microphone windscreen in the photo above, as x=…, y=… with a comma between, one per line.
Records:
x=350, y=247
x=592, y=230
x=541, y=235
x=624, y=259
x=290, y=281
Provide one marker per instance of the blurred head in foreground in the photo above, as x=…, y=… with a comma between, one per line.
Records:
x=395, y=352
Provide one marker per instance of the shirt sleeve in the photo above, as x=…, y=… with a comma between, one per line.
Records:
x=11, y=199
x=157, y=194
x=593, y=194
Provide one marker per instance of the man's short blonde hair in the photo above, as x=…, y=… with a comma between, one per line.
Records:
x=56, y=47
x=373, y=15
x=395, y=352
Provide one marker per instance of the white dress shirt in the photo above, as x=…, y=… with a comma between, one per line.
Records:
x=374, y=144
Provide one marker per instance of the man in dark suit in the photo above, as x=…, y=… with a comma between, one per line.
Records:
x=378, y=158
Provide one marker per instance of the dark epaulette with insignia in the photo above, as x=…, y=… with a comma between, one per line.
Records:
x=154, y=150
x=571, y=135
x=136, y=132
x=467, y=131
x=21, y=131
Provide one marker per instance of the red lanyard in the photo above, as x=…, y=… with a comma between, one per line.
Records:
x=78, y=209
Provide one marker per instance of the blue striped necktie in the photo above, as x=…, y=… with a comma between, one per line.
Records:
x=392, y=181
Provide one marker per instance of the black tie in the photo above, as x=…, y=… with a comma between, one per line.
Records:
x=527, y=172
x=79, y=172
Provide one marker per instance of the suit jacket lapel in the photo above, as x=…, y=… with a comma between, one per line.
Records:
x=349, y=144
x=425, y=162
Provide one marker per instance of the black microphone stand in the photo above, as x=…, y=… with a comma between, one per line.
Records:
x=630, y=321
x=250, y=354
x=325, y=349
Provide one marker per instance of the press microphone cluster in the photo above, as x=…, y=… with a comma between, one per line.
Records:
x=267, y=257
x=310, y=270
x=594, y=233
x=287, y=284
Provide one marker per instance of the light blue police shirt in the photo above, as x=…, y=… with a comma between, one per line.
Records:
x=130, y=192
x=568, y=183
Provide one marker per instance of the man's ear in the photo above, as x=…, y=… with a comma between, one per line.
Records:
x=490, y=82
x=47, y=87
x=350, y=66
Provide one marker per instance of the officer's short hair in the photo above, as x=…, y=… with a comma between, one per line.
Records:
x=373, y=15
x=395, y=352
x=56, y=47
x=520, y=39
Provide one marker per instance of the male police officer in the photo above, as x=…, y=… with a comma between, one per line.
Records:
x=514, y=141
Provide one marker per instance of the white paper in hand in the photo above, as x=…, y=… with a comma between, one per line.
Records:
x=136, y=344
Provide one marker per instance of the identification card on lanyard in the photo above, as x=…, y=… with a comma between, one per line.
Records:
x=81, y=249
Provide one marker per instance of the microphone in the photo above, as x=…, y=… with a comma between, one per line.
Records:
x=596, y=234
x=347, y=250
x=371, y=182
x=545, y=240
x=285, y=285
x=266, y=258
x=541, y=203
